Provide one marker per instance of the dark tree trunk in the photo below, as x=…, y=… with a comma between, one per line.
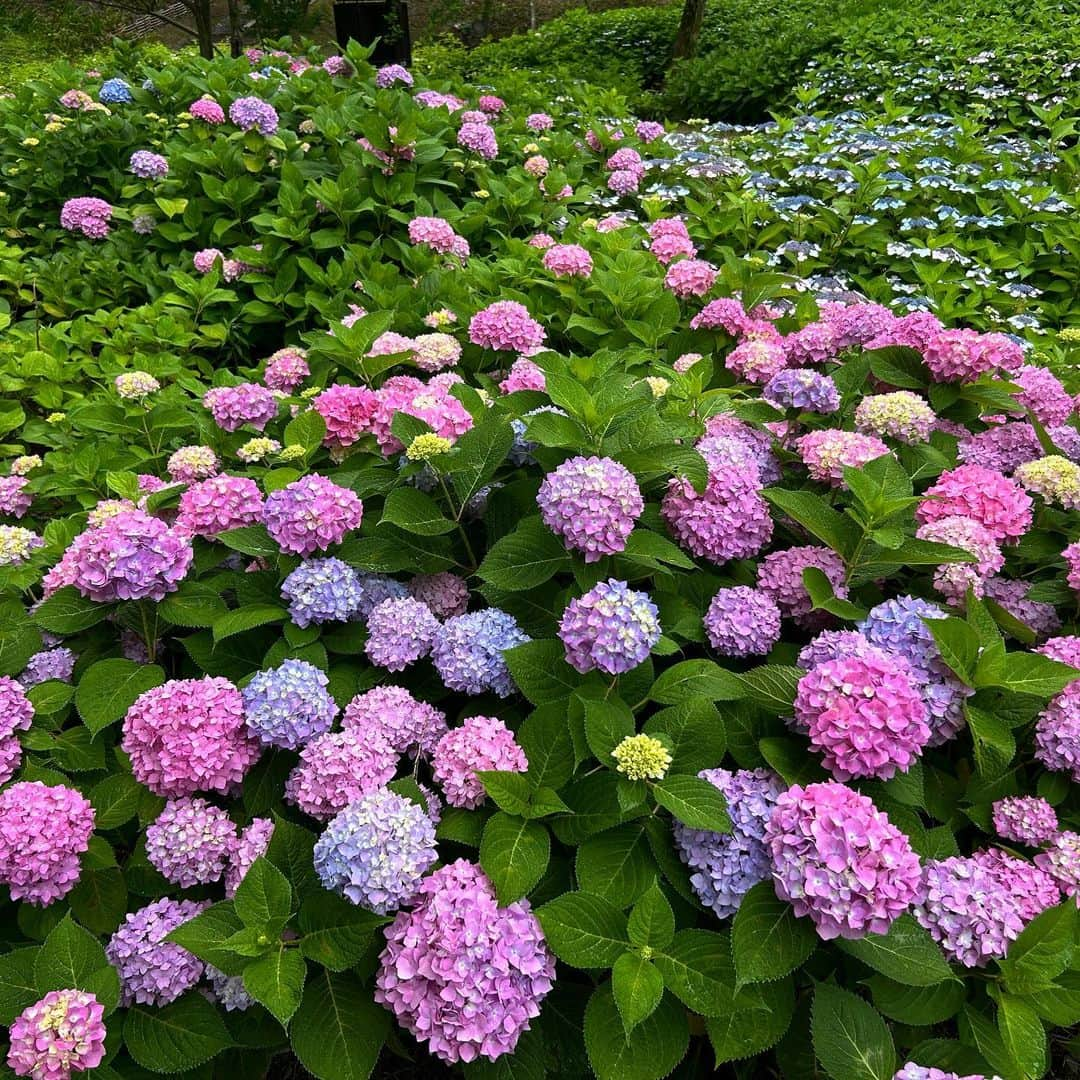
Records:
x=689, y=28
x=204, y=28
x=236, y=37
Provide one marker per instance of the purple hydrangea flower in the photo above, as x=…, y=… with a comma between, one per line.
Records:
x=1057, y=732
x=468, y=651
x=321, y=591
x=1061, y=861
x=780, y=574
x=742, y=622
x=408, y=725
x=1027, y=819
x=724, y=866
x=289, y=705
x=337, y=768
x=16, y=710
x=376, y=851
x=611, y=628
x=802, y=389
x=445, y=594
x=152, y=970
x=247, y=403
x=148, y=165
x=250, y=113
x=190, y=842
x=831, y=645
x=400, y=632
x=311, y=514
x=252, y=845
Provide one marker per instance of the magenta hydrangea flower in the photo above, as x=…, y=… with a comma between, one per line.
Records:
x=409, y=726
x=189, y=735
x=815, y=343
x=207, y=110
x=592, y=503
x=780, y=575
x=433, y=232
x=234, y=406
x=840, y=861
x=864, y=713
x=130, y=556
x=1027, y=819
x=725, y=313
x=61, y=1034
x=668, y=239
x=400, y=632
x=460, y=972
x=376, y=851
x=725, y=866
x=431, y=402
x=826, y=453
x=1065, y=648
x=997, y=503
x=220, y=503
x=87, y=215
x=478, y=138
x=311, y=514
x=539, y=122
x=252, y=844
x=445, y=594
x=286, y=369
x=43, y=831
x=1061, y=861
x=568, y=260
x=482, y=743
x=205, y=260
x=190, y=842
x=612, y=628
x=152, y=970
x=1057, y=732
x=758, y=357
x=16, y=711
x=975, y=906
x=1044, y=394
x=742, y=621
x=524, y=375
x=690, y=277
x=252, y=113
x=757, y=442
x=14, y=499
x=1071, y=555
x=963, y=355
x=506, y=324
x=468, y=651
x=289, y=705
x=347, y=411
x=337, y=768
x=856, y=324
x=953, y=580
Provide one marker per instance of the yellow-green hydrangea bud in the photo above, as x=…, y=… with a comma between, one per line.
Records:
x=427, y=446
x=310, y=392
x=658, y=385
x=24, y=464
x=56, y=418
x=258, y=448
x=641, y=757
x=1070, y=335
x=1055, y=478
x=482, y=193
x=292, y=453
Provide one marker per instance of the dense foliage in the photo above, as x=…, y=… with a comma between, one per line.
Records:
x=455, y=605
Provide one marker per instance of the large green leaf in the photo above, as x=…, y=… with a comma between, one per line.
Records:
x=109, y=688
x=525, y=558
x=697, y=969
x=637, y=987
x=175, y=1038
x=514, y=854
x=584, y=930
x=906, y=954
x=277, y=981
x=694, y=802
x=767, y=940
x=655, y=1046
x=850, y=1038
x=72, y=958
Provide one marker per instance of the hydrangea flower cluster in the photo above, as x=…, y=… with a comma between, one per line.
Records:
x=234, y=406
x=191, y=463
x=135, y=385
x=58, y=663
x=642, y=757
x=311, y=514
x=338, y=767
x=481, y=743
x=997, y=503
x=1061, y=860
x=61, y=1034
x=725, y=866
x=251, y=845
x=1027, y=819
x=254, y=114
x=468, y=651
x=321, y=591
x=409, y=726
x=611, y=628
x=780, y=576
x=1057, y=732
x=289, y=705
x=802, y=389
x=43, y=832
x=828, y=452
x=742, y=621
x=286, y=369
x=376, y=851
x=221, y=502
x=15, y=500
x=461, y=973
x=190, y=842
x=400, y=632
x=149, y=166
x=87, y=215
x=189, y=735
x=506, y=324
x=840, y=861
x=445, y=594
x=1056, y=479
x=154, y=971
x=899, y=415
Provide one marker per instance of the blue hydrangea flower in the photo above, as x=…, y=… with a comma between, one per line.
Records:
x=376, y=851
x=323, y=590
x=289, y=705
x=115, y=92
x=897, y=626
x=468, y=649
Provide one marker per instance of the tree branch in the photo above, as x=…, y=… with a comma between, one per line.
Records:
x=133, y=9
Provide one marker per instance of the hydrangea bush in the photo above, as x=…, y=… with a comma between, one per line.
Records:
x=460, y=608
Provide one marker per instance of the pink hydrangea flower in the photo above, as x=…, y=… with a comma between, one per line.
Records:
x=506, y=324
x=87, y=215
x=431, y=402
x=337, y=768
x=286, y=369
x=14, y=499
x=311, y=514
x=963, y=355
x=953, y=580
x=1027, y=819
x=481, y=743
x=61, y=1034
x=827, y=452
x=690, y=277
x=997, y=503
x=234, y=406
x=220, y=503
x=207, y=110
x=780, y=575
x=568, y=260
x=524, y=375
x=348, y=412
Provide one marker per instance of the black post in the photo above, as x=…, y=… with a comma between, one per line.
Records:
x=366, y=20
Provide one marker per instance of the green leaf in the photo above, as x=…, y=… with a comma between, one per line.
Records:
x=958, y=644
x=650, y=1052
x=583, y=930
x=696, y=679
x=415, y=512
x=1024, y=1036
x=652, y=921
x=540, y=670
x=637, y=987
x=72, y=958
x=307, y=430
x=767, y=940
x=336, y=933
x=899, y=366
x=338, y=1030
x=697, y=969
x=478, y=453
x=906, y=954
x=616, y=864
x=919, y=1006
x=694, y=802
x=815, y=515
x=747, y=1031
x=514, y=853
x=247, y=618
x=773, y=686
x=1044, y=949
x=850, y=1038
x=176, y=1037
x=109, y=688
x=994, y=743
x=290, y=850
x=823, y=598
x=548, y=746
x=68, y=612
x=1032, y=673
x=525, y=558
x=607, y=723
x=193, y=604
x=18, y=985
x=250, y=540
x=263, y=899
x=694, y=730
x=791, y=760
x=206, y=935
x=645, y=548
x=277, y=981
x=50, y=696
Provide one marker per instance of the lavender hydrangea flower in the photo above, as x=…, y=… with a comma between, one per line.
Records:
x=289, y=705
x=400, y=632
x=227, y=990
x=376, y=851
x=468, y=651
x=190, y=842
x=611, y=628
x=252, y=113
x=321, y=591
x=408, y=725
x=802, y=389
x=1061, y=861
x=1057, y=732
x=338, y=767
x=742, y=622
x=152, y=970
x=148, y=165
x=724, y=866
x=1027, y=819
